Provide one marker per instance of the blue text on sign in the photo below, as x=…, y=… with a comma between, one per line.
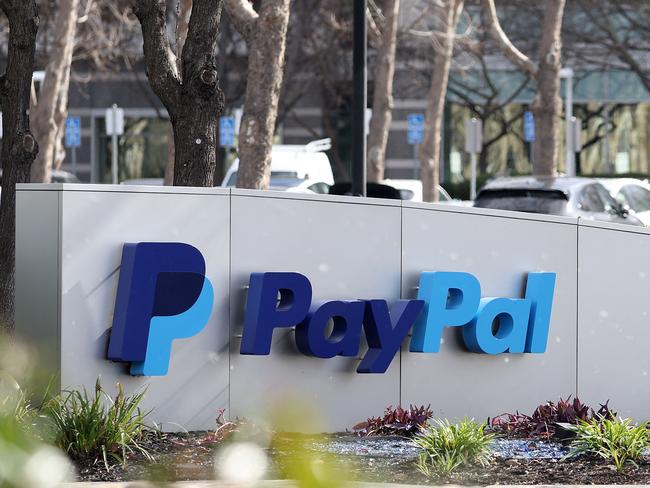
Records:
x=445, y=299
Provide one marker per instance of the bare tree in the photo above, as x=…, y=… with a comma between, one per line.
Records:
x=265, y=34
x=547, y=106
x=48, y=117
x=191, y=96
x=19, y=146
x=382, y=104
x=449, y=15
x=615, y=35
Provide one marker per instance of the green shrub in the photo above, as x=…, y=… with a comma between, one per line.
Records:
x=618, y=440
x=98, y=425
x=446, y=447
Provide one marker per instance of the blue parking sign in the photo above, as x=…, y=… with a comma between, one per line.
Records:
x=73, y=132
x=415, y=128
x=529, y=126
x=227, y=131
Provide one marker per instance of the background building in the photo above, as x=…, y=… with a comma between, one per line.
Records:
x=609, y=96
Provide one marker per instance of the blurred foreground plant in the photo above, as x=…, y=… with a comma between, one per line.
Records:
x=97, y=425
x=618, y=440
x=446, y=446
x=245, y=457
x=25, y=461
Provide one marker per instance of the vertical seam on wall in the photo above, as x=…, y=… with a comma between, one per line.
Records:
x=230, y=334
x=401, y=291
x=577, y=303
x=59, y=284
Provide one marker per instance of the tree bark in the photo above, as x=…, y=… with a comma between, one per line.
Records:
x=382, y=104
x=431, y=146
x=191, y=95
x=52, y=102
x=547, y=106
x=19, y=146
x=265, y=35
x=182, y=26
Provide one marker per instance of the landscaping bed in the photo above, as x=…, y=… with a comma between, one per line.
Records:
x=190, y=456
x=107, y=438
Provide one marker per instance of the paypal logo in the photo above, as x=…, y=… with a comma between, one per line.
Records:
x=445, y=299
x=162, y=295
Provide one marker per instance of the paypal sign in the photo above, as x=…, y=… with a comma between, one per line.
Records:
x=162, y=295
x=445, y=299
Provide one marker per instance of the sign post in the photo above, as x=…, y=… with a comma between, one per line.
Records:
x=415, y=137
x=73, y=138
x=570, y=164
x=529, y=133
x=576, y=141
x=114, y=128
x=473, y=146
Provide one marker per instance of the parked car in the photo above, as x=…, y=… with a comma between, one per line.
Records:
x=633, y=194
x=373, y=190
x=293, y=162
x=574, y=197
x=60, y=176
x=296, y=185
x=412, y=190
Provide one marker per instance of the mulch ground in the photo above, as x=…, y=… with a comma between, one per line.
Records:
x=180, y=457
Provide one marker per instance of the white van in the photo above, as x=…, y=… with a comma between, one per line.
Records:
x=294, y=166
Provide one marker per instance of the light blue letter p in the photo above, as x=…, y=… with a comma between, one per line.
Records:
x=450, y=299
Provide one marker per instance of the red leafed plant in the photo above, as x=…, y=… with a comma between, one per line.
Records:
x=545, y=417
x=396, y=421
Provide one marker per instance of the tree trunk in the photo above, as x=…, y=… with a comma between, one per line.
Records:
x=52, y=104
x=547, y=106
x=431, y=146
x=168, y=178
x=182, y=26
x=19, y=146
x=195, y=139
x=60, y=118
x=192, y=96
x=266, y=36
x=382, y=104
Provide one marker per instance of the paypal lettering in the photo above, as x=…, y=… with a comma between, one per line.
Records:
x=445, y=299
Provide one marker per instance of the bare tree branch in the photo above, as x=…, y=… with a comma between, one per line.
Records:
x=243, y=16
x=511, y=52
x=161, y=69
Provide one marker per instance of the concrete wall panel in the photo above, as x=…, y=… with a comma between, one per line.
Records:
x=348, y=251
x=95, y=225
x=499, y=248
x=614, y=318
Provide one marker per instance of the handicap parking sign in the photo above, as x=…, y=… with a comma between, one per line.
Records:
x=227, y=131
x=73, y=132
x=415, y=128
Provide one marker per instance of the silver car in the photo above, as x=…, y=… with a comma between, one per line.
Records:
x=574, y=197
x=633, y=194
